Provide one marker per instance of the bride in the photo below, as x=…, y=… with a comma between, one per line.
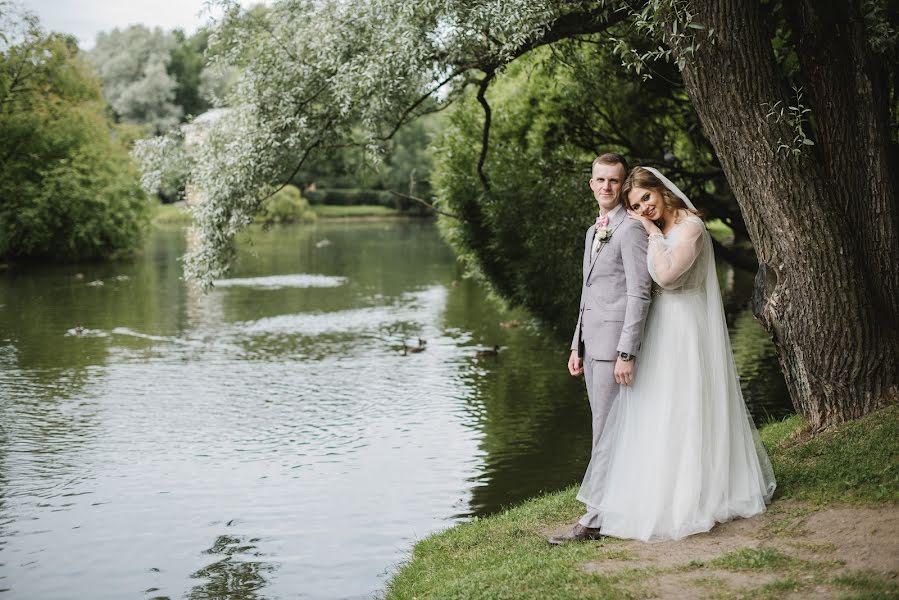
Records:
x=679, y=452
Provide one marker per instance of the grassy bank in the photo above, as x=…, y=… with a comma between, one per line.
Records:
x=854, y=468
x=172, y=214
x=326, y=211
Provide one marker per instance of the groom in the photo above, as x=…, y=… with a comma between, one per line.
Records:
x=615, y=297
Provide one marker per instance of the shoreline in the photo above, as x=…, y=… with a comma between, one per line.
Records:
x=832, y=531
x=163, y=215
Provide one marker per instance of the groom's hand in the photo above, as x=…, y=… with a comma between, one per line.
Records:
x=624, y=371
x=575, y=364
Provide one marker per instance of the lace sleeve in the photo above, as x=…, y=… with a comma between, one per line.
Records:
x=669, y=260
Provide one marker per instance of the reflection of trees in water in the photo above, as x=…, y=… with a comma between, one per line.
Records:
x=235, y=576
x=536, y=425
x=761, y=379
x=57, y=320
x=534, y=417
x=44, y=410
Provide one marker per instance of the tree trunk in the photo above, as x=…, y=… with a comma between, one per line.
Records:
x=825, y=224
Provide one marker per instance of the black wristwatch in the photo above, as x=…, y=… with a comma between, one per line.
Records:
x=626, y=357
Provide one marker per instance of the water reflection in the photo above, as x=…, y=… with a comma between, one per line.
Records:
x=140, y=415
x=761, y=380
x=237, y=574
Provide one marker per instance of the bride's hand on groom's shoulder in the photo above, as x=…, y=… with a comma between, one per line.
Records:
x=648, y=225
x=633, y=215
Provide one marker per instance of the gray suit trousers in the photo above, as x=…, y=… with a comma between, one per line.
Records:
x=602, y=391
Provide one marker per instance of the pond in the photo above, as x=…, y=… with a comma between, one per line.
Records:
x=273, y=439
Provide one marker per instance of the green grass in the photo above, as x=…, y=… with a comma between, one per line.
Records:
x=777, y=589
x=754, y=559
x=170, y=214
x=856, y=463
x=506, y=555
x=327, y=211
x=870, y=587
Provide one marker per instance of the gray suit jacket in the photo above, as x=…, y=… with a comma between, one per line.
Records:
x=615, y=293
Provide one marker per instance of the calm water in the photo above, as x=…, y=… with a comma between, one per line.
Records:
x=270, y=439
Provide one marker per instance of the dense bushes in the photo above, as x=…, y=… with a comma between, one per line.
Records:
x=87, y=205
x=286, y=206
x=68, y=190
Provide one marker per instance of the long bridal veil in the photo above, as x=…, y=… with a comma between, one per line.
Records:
x=719, y=346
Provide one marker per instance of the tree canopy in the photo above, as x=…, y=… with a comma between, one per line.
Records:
x=549, y=120
x=133, y=64
x=68, y=189
x=773, y=93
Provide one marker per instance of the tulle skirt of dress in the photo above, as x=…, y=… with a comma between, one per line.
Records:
x=679, y=452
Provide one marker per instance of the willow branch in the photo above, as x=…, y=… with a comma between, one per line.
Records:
x=300, y=164
x=404, y=117
x=426, y=203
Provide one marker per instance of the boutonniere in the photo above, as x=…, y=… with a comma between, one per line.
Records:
x=603, y=234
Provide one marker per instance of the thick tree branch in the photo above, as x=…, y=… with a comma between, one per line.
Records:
x=572, y=24
x=485, y=136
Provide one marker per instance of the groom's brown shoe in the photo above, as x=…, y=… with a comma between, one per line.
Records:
x=577, y=534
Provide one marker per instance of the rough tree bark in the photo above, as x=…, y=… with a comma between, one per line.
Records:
x=825, y=225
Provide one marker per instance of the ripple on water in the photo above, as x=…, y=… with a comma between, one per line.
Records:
x=274, y=282
x=283, y=441
x=298, y=336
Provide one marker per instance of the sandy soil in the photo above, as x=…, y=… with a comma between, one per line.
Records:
x=828, y=543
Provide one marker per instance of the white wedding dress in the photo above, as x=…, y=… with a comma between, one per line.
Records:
x=679, y=452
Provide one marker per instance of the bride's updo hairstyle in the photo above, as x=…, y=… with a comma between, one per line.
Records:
x=643, y=178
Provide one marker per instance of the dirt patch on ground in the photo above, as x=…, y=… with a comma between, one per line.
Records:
x=794, y=550
x=700, y=586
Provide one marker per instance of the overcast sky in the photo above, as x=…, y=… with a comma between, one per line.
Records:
x=86, y=18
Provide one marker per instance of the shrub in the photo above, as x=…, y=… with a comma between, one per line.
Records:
x=286, y=206
x=68, y=189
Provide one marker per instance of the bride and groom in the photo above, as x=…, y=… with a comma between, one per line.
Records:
x=674, y=448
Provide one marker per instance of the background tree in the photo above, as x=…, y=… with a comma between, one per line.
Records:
x=134, y=66
x=68, y=189
x=319, y=70
x=186, y=66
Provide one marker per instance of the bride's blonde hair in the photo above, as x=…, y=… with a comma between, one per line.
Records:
x=643, y=178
